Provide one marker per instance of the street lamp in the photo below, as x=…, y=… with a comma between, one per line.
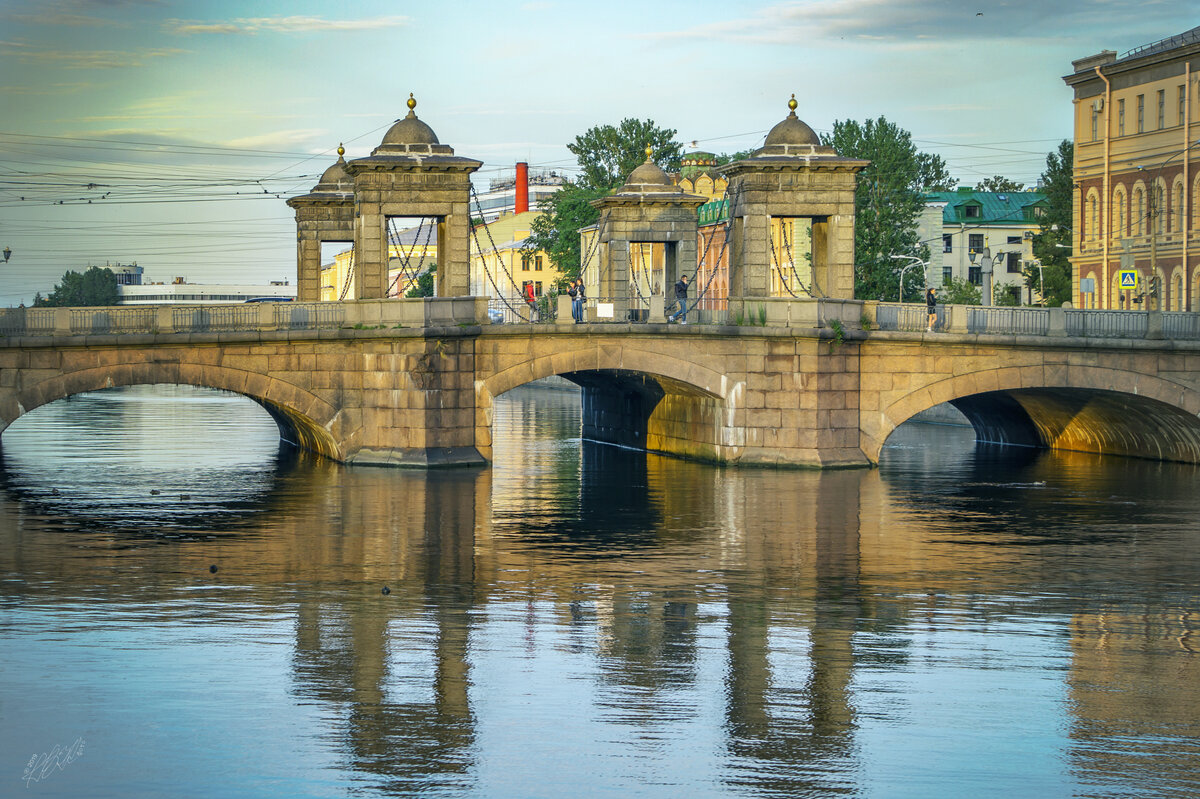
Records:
x=7, y=254
x=915, y=261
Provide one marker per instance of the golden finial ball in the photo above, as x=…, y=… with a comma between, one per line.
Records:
x=649, y=152
x=341, y=150
x=792, y=102
x=411, y=102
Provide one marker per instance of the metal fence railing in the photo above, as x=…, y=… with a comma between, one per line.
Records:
x=309, y=315
x=114, y=320
x=907, y=318
x=1181, y=326
x=215, y=318
x=1008, y=321
x=1096, y=323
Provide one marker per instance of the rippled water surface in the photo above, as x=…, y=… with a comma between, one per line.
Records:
x=188, y=611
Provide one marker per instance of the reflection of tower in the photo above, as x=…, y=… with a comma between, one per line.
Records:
x=786, y=739
x=422, y=540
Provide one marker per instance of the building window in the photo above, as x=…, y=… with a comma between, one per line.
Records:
x=525, y=263
x=1014, y=262
x=537, y=288
x=947, y=243
x=537, y=266
x=975, y=275
x=975, y=242
x=1121, y=117
x=1162, y=109
x=972, y=211
x=1141, y=111
x=1182, y=104
x=1014, y=240
x=947, y=275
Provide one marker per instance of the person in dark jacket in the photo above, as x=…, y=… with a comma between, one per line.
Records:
x=681, y=290
x=931, y=309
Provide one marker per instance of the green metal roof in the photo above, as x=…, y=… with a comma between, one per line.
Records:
x=996, y=207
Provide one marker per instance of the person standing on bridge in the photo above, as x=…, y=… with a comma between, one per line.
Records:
x=578, y=299
x=681, y=289
x=931, y=309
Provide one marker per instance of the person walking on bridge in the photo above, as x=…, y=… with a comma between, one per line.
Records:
x=931, y=309
x=681, y=290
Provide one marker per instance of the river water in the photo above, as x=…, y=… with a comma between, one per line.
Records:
x=187, y=610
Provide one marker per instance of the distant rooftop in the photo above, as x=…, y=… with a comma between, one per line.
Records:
x=1162, y=45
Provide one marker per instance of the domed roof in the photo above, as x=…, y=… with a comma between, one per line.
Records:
x=648, y=177
x=336, y=178
x=410, y=135
x=793, y=137
x=792, y=130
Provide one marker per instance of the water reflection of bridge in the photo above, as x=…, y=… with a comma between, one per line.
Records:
x=706, y=572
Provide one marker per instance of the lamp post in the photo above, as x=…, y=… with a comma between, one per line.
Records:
x=7, y=254
x=915, y=261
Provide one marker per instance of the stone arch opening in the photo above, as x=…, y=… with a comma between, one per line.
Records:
x=640, y=400
x=303, y=428
x=1133, y=415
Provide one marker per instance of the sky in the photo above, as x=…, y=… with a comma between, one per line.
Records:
x=170, y=133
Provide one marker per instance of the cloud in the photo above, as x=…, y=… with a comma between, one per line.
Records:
x=92, y=59
x=279, y=140
x=802, y=22
x=294, y=24
x=56, y=88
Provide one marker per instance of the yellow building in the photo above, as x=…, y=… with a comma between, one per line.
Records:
x=1137, y=139
x=413, y=251
x=500, y=268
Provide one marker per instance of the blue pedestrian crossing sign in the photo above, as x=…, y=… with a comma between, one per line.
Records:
x=1127, y=279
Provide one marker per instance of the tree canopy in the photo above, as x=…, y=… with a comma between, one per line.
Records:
x=888, y=201
x=1053, y=280
x=999, y=183
x=96, y=286
x=606, y=156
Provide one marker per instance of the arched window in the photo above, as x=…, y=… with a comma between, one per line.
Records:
x=1118, y=212
x=1177, y=206
x=1158, y=216
x=1138, y=212
x=1093, y=215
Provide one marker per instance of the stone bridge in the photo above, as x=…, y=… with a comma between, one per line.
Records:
x=412, y=382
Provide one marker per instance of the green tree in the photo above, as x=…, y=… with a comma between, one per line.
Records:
x=961, y=292
x=606, y=156
x=729, y=158
x=96, y=286
x=556, y=230
x=888, y=200
x=1052, y=242
x=999, y=183
x=423, y=285
x=933, y=175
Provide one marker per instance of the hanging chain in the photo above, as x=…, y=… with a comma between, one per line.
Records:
x=724, y=244
x=349, y=274
x=495, y=251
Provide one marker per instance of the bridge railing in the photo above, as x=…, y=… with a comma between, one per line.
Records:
x=245, y=317
x=1009, y=321
x=1097, y=323
x=95, y=321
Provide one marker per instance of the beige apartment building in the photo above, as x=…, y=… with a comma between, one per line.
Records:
x=1137, y=176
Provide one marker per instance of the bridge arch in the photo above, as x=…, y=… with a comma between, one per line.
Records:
x=303, y=418
x=632, y=397
x=1084, y=408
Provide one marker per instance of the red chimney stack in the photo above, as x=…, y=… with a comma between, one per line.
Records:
x=522, y=199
